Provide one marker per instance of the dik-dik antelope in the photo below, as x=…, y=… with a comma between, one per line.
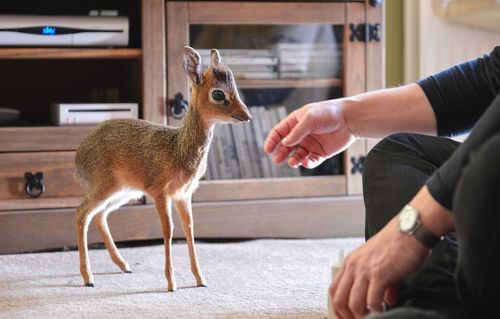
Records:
x=125, y=158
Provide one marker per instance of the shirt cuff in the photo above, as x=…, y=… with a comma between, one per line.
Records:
x=439, y=190
x=441, y=112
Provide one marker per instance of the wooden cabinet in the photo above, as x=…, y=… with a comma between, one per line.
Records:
x=290, y=32
x=149, y=72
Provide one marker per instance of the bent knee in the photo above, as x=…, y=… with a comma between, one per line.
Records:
x=379, y=155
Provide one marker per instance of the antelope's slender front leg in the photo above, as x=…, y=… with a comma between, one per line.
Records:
x=183, y=207
x=164, y=209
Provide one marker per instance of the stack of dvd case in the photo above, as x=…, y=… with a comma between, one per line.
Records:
x=309, y=60
x=246, y=64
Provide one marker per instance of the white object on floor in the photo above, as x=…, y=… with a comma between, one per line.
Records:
x=335, y=268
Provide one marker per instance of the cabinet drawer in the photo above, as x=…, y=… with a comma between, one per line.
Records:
x=61, y=188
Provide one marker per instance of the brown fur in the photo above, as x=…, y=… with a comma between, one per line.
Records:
x=124, y=158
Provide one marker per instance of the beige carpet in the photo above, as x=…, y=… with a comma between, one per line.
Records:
x=249, y=279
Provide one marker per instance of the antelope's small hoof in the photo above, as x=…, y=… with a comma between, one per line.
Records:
x=90, y=284
x=172, y=289
x=127, y=271
x=201, y=282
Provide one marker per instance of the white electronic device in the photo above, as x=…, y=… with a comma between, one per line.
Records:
x=95, y=31
x=91, y=113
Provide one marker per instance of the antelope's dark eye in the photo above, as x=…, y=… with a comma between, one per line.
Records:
x=218, y=95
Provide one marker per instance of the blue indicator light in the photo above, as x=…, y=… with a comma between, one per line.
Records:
x=49, y=30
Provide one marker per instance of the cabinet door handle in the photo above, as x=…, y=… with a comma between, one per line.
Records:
x=34, y=186
x=177, y=106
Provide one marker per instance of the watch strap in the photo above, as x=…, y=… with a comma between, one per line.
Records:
x=425, y=236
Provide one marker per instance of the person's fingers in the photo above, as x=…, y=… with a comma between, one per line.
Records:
x=282, y=153
x=311, y=143
x=341, y=298
x=307, y=163
x=299, y=155
x=375, y=296
x=278, y=132
x=298, y=132
x=357, y=297
x=312, y=160
x=391, y=295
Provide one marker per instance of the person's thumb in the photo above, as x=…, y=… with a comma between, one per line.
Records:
x=298, y=133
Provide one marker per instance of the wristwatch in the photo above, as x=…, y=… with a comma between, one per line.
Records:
x=409, y=223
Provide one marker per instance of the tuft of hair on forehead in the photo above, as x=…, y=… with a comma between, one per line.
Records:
x=223, y=76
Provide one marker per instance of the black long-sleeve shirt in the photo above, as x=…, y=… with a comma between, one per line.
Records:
x=459, y=97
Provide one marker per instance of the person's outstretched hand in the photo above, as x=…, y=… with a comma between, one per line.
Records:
x=311, y=134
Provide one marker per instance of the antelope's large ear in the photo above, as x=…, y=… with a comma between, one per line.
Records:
x=215, y=57
x=192, y=65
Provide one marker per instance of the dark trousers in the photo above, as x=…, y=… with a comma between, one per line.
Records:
x=461, y=277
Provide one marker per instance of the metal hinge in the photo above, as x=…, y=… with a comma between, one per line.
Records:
x=365, y=32
x=375, y=3
x=357, y=164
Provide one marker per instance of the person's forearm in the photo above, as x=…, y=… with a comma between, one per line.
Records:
x=380, y=113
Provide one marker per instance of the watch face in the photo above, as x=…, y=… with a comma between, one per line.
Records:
x=408, y=219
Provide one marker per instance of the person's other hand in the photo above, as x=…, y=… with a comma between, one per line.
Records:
x=372, y=273
x=311, y=134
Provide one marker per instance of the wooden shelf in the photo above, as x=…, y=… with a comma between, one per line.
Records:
x=341, y=216
x=42, y=138
x=288, y=83
x=69, y=53
x=270, y=188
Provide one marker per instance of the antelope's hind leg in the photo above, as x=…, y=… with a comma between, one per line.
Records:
x=101, y=222
x=84, y=214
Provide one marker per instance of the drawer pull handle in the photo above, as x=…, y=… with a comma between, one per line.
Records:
x=178, y=106
x=34, y=186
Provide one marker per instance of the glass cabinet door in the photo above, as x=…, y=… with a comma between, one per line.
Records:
x=277, y=69
x=283, y=56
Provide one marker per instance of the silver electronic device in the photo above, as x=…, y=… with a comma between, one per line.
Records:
x=70, y=31
x=91, y=113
